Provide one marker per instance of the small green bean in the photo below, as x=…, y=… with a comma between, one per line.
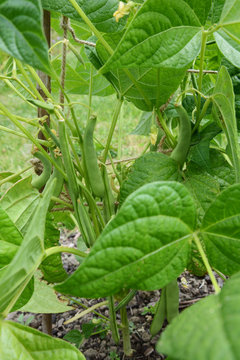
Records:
x=160, y=314
x=90, y=160
x=39, y=181
x=172, y=300
x=180, y=152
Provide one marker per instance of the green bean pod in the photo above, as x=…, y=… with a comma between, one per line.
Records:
x=39, y=181
x=167, y=307
x=108, y=199
x=59, y=181
x=82, y=216
x=172, y=300
x=91, y=163
x=160, y=314
x=180, y=152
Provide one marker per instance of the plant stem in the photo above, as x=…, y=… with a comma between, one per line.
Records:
x=113, y=320
x=206, y=263
x=59, y=249
x=85, y=312
x=126, y=300
x=85, y=307
x=203, y=112
x=200, y=79
x=40, y=82
x=7, y=82
x=111, y=131
x=60, y=201
x=13, y=132
x=91, y=26
x=169, y=135
x=29, y=81
x=90, y=92
x=125, y=332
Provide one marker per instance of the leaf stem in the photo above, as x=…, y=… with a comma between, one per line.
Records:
x=200, y=79
x=85, y=307
x=113, y=320
x=163, y=124
x=125, y=332
x=206, y=263
x=91, y=26
x=59, y=249
x=111, y=131
x=203, y=112
x=85, y=312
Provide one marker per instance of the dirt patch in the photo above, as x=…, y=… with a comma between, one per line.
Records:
x=140, y=313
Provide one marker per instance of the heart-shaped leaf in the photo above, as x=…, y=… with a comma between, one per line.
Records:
x=162, y=34
x=146, y=245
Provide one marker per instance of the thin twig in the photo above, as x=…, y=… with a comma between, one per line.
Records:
x=84, y=42
x=122, y=160
x=61, y=209
x=204, y=71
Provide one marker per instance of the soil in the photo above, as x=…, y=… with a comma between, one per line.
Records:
x=139, y=310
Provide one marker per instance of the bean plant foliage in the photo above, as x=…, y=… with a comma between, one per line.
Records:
x=175, y=208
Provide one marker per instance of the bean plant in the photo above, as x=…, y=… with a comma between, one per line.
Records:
x=175, y=208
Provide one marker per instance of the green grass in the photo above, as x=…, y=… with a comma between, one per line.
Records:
x=16, y=151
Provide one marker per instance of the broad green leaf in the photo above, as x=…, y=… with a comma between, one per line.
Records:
x=224, y=85
x=217, y=10
x=201, y=8
x=25, y=296
x=44, y=299
x=203, y=188
x=20, y=202
x=99, y=12
x=52, y=267
x=221, y=231
x=224, y=101
x=6, y=174
x=22, y=342
x=200, y=153
x=15, y=277
x=21, y=33
x=74, y=337
x=228, y=35
x=220, y=169
x=10, y=239
x=148, y=168
x=162, y=34
x=144, y=125
x=207, y=330
x=144, y=87
x=78, y=77
x=147, y=244
x=195, y=264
